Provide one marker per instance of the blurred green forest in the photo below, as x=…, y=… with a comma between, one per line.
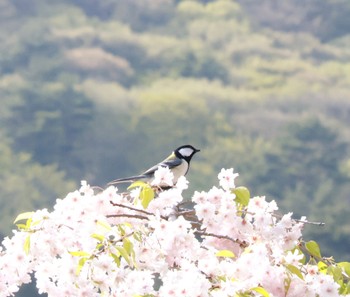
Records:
x=102, y=89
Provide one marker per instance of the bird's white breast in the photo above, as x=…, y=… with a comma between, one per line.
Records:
x=180, y=170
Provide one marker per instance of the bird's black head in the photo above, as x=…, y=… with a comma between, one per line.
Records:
x=186, y=152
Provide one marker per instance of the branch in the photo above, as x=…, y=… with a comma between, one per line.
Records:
x=186, y=213
x=279, y=216
x=301, y=221
x=128, y=216
x=131, y=208
x=136, y=209
x=242, y=244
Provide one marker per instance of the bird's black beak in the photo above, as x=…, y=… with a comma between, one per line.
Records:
x=197, y=150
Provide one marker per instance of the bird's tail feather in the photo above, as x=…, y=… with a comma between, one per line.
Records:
x=126, y=179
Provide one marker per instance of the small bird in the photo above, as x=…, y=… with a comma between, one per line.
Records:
x=178, y=162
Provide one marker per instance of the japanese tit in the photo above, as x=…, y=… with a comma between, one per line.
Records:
x=178, y=162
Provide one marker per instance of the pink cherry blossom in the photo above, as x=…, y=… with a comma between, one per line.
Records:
x=103, y=244
x=227, y=178
x=163, y=177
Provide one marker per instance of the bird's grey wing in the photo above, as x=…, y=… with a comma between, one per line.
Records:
x=170, y=162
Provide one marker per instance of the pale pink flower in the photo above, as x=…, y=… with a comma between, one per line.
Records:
x=163, y=177
x=227, y=178
x=124, y=253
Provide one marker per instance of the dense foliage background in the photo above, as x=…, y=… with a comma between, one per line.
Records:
x=101, y=89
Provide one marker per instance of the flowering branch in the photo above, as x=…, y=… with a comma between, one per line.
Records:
x=208, y=250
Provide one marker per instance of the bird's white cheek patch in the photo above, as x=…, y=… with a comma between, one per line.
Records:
x=186, y=152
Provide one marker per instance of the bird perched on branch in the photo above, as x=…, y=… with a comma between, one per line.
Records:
x=178, y=163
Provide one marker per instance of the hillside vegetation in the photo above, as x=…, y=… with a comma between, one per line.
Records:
x=101, y=89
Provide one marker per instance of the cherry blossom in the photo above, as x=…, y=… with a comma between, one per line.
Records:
x=227, y=178
x=103, y=243
x=163, y=177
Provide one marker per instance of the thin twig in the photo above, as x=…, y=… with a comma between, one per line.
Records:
x=131, y=208
x=137, y=209
x=128, y=216
x=279, y=216
x=186, y=212
x=300, y=221
x=241, y=243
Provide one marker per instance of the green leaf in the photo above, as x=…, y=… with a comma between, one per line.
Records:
x=342, y=288
x=121, y=229
x=261, y=291
x=146, y=196
x=287, y=282
x=128, y=246
x=29, y=223
x=313, y=248
x=336, y=272
x=295, y=270
x=21, y=226
x=242, y=195
x=138, y=184
x=98, y=237
x=347, y=288
x=81, y=264
x=27, y=244
x=80, y=254
x=100, y=247
x=35, y=223
x=23, y=216
x=104, y=225
x=138, y=236
x=322, y=267
x=345, y=266
x=116, y=259
x=124, y=254
x=225, y=254
x=127, y=224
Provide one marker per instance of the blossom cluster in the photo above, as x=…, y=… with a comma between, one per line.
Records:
x=106, y=243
